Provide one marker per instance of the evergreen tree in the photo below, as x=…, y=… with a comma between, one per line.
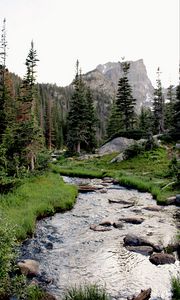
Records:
x=3, y=94
x=125, y=101
x=158, y=106
x=30, y=141
x=169, y=108
x=76, y=120
x=145, y=120
x=115, y=121
x=91, y=122
x=176, y=116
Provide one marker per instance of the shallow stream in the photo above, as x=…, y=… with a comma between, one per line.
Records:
x=70, y=253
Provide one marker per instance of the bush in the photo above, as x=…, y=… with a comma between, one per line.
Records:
x=87, y=292
x=133, y=150
x=42, y=160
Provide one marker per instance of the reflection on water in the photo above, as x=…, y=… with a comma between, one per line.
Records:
x=81, y=255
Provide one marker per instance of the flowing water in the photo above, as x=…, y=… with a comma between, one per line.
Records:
x=70, y=253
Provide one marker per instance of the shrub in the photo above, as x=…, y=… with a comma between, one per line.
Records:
x=133, y=150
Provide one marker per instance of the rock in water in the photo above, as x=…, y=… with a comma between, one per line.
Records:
x=144, y=295
x=29, y=267
x=162, y=259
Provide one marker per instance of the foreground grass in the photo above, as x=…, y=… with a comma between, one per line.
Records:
x=148, y=172
x=86, y=292
x=38, y=197
x=175, y=288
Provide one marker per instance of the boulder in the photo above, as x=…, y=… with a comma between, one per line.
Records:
x=99, y=228
x=133, y=240
x=118, y=144
x=29, y=267
x=162, y=259
x=144, y=295
x=132, y=220
x=145, y=250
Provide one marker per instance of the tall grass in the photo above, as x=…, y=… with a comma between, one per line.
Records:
x=86, y=292
x=37, y=197
x=175, y=288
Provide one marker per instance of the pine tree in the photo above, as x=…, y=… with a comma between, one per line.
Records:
x=115, y=121
x=91, y=122
x=158, y=106
x=3, y=94
x=30, y=135
x=176, y=116
x=125, y=101
x=76, y=120
x=145, y=120
x=169, y=108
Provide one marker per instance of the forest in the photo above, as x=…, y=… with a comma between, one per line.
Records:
x=38, y=120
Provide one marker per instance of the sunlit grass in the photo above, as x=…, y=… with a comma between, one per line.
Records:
x=37, y=197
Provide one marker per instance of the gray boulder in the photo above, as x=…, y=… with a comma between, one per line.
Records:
x=145, y=250
x=118, y=144
x=133, y=240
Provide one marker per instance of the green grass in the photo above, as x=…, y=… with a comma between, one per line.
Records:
x=86, y=292
x=38, y=197
x=147, y=172
x=175, y=288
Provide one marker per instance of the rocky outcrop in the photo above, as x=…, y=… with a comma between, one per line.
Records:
x=105, y=78
x=116, y=145
x=162, y=259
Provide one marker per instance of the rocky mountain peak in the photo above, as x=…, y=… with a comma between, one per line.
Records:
x=106, y=76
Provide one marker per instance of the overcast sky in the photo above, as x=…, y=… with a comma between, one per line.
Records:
x=93, y=31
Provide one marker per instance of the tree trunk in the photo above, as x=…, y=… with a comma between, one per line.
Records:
x=79, y=147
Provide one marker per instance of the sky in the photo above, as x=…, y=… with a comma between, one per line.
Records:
x=94, y=32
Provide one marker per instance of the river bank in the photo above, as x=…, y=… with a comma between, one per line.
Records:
x=80, y=254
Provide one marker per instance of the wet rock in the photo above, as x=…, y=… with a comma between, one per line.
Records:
x=99, y=228
x=49, y=246
x=29, y=267
x=178, y=199
x=171, y=200
x=132, y=220
x=120, y=201
x=108, y=180
x=133, y=240
x=145, y=250
x=105, y=223
x=144, y=295
x=153, y=208
x=118, y=225
x=162, y=258
x=87, y=188
x=103, y=191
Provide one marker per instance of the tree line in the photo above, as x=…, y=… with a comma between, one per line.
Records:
x=33, y=119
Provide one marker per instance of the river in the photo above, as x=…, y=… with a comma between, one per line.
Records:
x=70, y=253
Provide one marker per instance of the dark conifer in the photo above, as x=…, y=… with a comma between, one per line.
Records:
x=125, y=101
x=158, y=106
